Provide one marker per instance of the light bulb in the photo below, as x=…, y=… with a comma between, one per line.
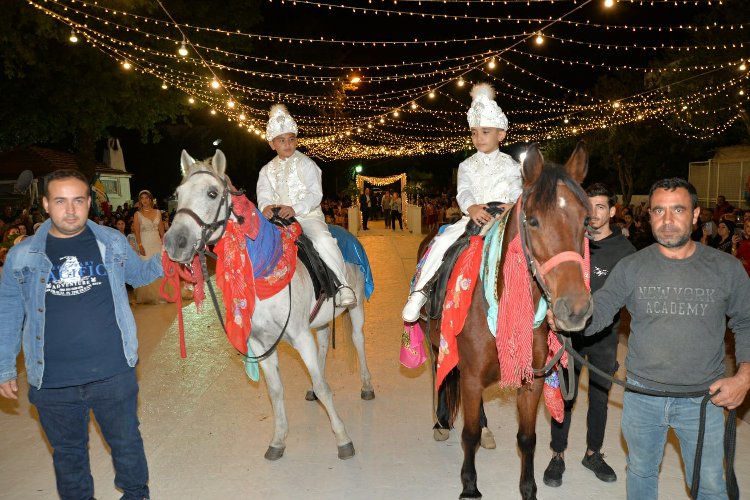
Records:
x=164, y=85
x=743, y=66
x=460, y=82
x=395, y=113
x=183, y=51
x=414, y=105
x=191, y=100
x=126, y=65
x=492, y=63
x=213, y=111
x=539, y=39
x=215, y=84
x=73, y=37
x=609, y=3
x=432, y=95
x=242, y=117
x=230, y=103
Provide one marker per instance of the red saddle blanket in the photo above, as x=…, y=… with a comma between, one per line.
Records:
x=514, y=338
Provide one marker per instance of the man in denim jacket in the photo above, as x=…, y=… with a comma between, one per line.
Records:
x=63, y=297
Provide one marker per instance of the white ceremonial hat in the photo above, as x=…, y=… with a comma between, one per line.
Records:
x=484, y=111
x=280, y=122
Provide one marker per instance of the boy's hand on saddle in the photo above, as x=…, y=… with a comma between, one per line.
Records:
x=286, y=212
x=9, y=389
x=479, y=215
x=268, y=211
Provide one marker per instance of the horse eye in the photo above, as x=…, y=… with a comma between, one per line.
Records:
x=534, y=222
x=213, y=194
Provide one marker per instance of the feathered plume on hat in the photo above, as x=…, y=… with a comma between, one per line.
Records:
x=484, y=111
x=279, y=122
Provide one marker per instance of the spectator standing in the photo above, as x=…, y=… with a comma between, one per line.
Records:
x=386, y=205
x=148, y=229
x=64, y=299
x=608, y=245
x=365, y=205
x=678, y=294
x=396, y=209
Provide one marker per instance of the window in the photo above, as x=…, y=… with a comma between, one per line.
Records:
x=111, y=186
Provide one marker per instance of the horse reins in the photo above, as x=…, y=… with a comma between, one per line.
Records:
x=201, y=248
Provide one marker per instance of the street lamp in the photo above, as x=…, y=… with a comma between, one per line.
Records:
x=358, y=169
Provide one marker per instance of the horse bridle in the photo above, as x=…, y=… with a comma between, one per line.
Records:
x=208, y=228
x=537, y=270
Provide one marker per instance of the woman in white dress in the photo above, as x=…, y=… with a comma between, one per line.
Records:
x=148, y=229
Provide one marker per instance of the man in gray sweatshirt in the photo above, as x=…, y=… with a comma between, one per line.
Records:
x=679, y=294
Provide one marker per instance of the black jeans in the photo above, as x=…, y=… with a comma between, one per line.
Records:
x=365, y=217
x=601, y=351
x=396, y=215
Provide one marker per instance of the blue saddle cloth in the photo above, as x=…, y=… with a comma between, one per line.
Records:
x=265, y=251
x=354, y=253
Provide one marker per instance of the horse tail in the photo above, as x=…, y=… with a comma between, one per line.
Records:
x=452, y=390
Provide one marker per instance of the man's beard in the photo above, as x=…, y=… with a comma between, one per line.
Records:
x=682, y=241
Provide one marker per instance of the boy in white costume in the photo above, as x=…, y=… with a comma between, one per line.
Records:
x=292, y=183
x=486, y=176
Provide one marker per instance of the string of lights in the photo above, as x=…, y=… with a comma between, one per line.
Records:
x=416, y=106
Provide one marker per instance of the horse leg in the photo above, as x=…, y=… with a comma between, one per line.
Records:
x=305, y=345
x=441, y=429
x=471, y=400
x=324, y=336
x=528, y=402
x=272, y=375
x=357, y=316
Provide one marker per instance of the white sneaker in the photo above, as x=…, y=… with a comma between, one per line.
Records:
x=414, y=304
x=346, y=297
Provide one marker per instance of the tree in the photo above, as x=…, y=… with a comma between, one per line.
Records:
x=57, y=92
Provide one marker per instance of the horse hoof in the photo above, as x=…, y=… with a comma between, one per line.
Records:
x=367, y=395
x=273, y=453
x=346, y=451
x=475, y=494
x=441, y=434
x=487, y=441
x=310, y=396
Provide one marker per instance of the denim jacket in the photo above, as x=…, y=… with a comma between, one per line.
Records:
x=22, y=297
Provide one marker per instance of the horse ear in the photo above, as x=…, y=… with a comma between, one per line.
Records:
x=186, y=163
x=532, y=164
x=577, y=165
x=219, y=162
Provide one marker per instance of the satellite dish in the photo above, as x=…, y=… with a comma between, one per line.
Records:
x=24, y=181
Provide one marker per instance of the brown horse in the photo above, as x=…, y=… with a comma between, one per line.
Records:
x=553, y=217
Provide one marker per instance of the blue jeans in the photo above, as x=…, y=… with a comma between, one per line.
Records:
x=645, y=422
x=64, y=415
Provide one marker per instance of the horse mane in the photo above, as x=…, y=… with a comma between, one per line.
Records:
x=543, y=192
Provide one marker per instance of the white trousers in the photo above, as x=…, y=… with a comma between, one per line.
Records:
x=315, y=227
x=439, y=246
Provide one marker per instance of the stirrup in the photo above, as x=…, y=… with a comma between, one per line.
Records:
x=347, y=303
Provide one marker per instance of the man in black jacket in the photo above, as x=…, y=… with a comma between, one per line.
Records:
x=608, y=246
x=365, y=204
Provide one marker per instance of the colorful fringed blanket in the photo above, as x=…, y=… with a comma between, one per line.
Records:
x=511, y=319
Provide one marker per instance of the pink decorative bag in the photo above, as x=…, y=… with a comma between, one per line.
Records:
x=412, y=346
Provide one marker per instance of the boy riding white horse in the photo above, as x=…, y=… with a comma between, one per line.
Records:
x=292, y=183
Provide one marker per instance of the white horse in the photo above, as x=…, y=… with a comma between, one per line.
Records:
x=203, y=206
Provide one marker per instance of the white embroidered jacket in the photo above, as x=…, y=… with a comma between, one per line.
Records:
x=296, y=182
x=483, y=178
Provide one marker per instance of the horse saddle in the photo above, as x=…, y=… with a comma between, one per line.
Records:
x=325, y=283
x=436, y=287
